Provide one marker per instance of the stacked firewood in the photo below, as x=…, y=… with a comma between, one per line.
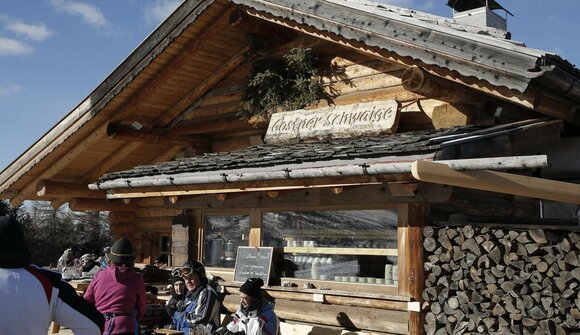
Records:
x=487, y=280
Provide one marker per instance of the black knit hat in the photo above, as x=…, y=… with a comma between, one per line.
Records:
x=252, y=287
x=122, y=252
x=13, y=250
x=175, y=279
x=160, y=259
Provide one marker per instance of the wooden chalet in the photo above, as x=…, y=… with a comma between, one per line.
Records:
x=417, y=196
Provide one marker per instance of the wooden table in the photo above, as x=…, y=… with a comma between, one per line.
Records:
x=168, y=332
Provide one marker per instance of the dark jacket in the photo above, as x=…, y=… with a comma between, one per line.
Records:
x=201, y=307
x=173, y=305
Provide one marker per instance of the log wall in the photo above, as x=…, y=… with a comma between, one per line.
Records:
x=501, y=281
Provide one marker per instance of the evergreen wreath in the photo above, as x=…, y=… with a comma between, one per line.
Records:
x=288, y=82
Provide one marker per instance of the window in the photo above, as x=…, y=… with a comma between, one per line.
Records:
x=351, y=245
x=223, y=235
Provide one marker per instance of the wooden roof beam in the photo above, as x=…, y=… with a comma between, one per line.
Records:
x=216, y=124
x=198, y=91
x=126, y=132
x=422, y=82
x=48, y=188
x=259, y=186
x=478, y=107
x=359, y=195
x=499, y=182
x=8, y=194
x=419, y=81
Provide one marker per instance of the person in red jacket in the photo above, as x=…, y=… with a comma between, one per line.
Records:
x=118, y=291
x=31, y=297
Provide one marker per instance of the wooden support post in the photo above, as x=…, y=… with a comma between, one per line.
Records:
x=196, y=236
x=255, y=237
x=412, y=218
x=180, y=241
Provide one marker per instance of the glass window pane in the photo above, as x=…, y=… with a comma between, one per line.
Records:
x=165, y=245
x=353, y=245
x=223, y=235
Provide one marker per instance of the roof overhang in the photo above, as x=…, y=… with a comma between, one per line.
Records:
x=90, y=108
x=479, y=174
x=367, y=172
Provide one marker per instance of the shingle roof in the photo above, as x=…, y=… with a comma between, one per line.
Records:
x=346, y=149
x=390, y=154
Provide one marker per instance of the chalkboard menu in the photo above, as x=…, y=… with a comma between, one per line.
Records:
x=253, y=262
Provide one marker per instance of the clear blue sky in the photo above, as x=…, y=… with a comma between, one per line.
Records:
x=53, y=53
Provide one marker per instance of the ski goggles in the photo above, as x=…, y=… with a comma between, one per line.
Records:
x=182, y=271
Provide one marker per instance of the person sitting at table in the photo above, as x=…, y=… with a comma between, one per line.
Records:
x=104, y=259
x=118, y=291
x=68, y=258
x=255, y=316
x=177, y=290
x=160, y=261
x=201, y=305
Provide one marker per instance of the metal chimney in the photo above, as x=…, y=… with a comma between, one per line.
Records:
x=479, y=13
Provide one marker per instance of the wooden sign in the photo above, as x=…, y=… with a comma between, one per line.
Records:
x=369, y=118
x=253, y=262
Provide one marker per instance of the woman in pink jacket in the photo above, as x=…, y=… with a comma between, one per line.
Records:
x=118, y=291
